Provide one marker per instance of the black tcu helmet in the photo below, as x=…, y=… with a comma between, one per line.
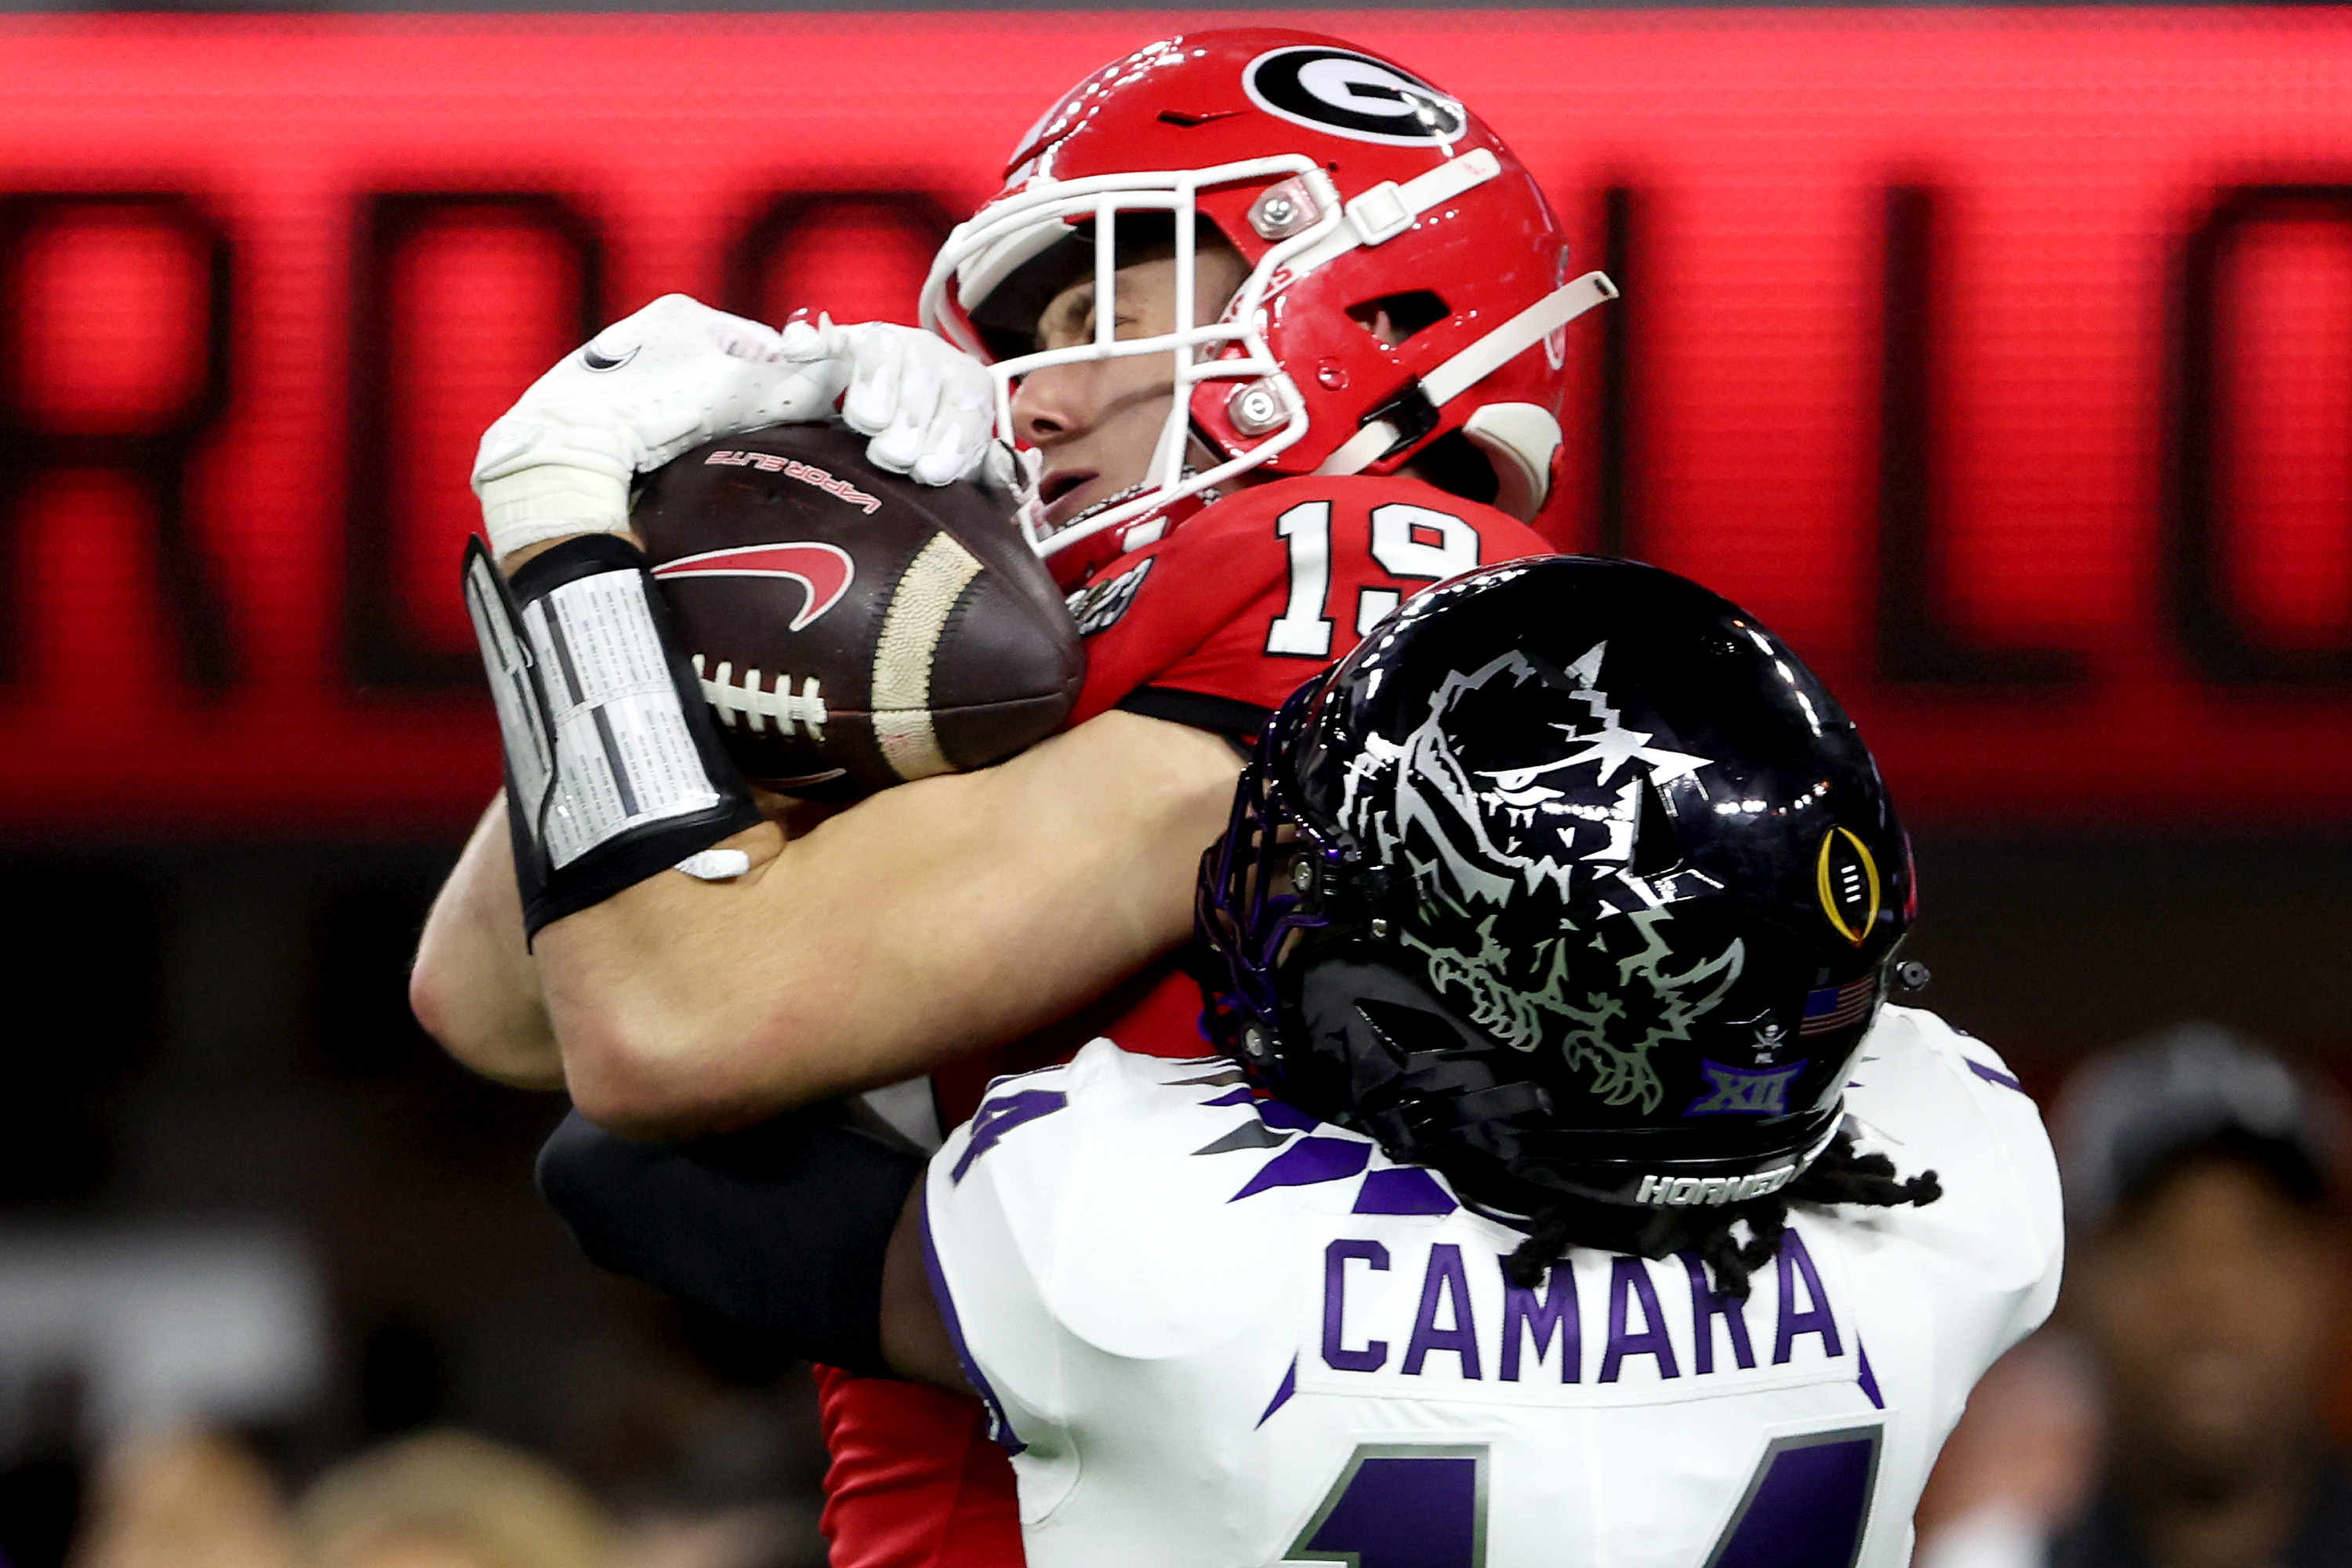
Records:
x=1572, y=882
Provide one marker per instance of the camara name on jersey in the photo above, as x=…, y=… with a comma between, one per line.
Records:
x=1392, y=1309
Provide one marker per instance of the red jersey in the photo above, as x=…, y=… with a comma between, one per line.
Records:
x=1213, y=625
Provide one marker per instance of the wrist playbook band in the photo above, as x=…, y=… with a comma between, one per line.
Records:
x=614, y=766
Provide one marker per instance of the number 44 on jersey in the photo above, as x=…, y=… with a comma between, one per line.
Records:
x=1405, y=1506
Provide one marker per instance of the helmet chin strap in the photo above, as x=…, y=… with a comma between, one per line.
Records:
x=1476, y=363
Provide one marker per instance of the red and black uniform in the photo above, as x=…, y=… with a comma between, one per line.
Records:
x=1213, y=625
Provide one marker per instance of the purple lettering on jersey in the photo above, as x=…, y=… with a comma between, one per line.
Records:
x=1443, y=1278
x=1307, y=1163
x=1336, y=1258
x=1539, y=1320
x=1708, y=1304
x=1816, y=1317
x=1001, y=1115
x=1629, y=1277
x=1868, y=1380
x=1808, y=1505
x=1282, y=1396
x=1404, y=1189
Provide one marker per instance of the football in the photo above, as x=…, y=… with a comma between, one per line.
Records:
x=854, y=629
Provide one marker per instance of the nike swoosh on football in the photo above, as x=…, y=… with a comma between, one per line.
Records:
x=824, y=570
x=594, y=361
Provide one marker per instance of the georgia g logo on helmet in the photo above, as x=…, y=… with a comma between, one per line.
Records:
x=1352, y=94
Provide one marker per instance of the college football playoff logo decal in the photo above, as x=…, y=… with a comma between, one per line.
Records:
x=1352, y=94
x=1847, y=880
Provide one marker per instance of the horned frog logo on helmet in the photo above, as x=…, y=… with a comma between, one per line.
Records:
x=1517, y=820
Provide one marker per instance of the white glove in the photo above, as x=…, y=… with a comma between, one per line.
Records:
x=677, y=373
x=642, y=391
x=930, y=406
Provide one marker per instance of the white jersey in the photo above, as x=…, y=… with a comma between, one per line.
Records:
x=1217, y=1333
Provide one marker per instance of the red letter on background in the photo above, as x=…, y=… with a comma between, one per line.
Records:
x=114, y=333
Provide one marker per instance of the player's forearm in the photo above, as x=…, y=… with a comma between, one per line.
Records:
x=686, y=1009
x=933, y=919
x=661, y=995
x=474, y=987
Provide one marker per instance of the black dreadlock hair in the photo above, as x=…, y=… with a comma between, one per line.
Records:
x=1841, y=1175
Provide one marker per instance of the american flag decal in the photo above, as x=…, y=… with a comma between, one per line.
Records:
x=1837, y=1006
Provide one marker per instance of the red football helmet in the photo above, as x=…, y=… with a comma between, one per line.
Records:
x=1351, y=188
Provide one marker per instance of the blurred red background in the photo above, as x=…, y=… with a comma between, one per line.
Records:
x=2074, y=537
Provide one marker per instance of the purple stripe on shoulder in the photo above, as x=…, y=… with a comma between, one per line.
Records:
x=1404, y=1189
x=1277, y=1113
x=999, y=1427
x=1993, y=1075
x=1272, y=1112
x=1868, y=1380
x=1307, y=1162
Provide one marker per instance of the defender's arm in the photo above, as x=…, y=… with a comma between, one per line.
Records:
x=806, y=1228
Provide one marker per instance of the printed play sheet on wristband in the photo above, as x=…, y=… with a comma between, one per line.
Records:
x=528, y=755
x=622, y=749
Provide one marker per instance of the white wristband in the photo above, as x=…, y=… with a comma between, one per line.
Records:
x=551, y=501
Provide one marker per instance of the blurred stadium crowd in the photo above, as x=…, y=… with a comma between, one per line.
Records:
x=274, y=1287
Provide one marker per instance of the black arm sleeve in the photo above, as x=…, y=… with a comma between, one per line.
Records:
x=780, y=1227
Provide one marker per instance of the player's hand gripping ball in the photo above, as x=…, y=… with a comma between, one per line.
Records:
x=855, y=629
x=677, y=373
